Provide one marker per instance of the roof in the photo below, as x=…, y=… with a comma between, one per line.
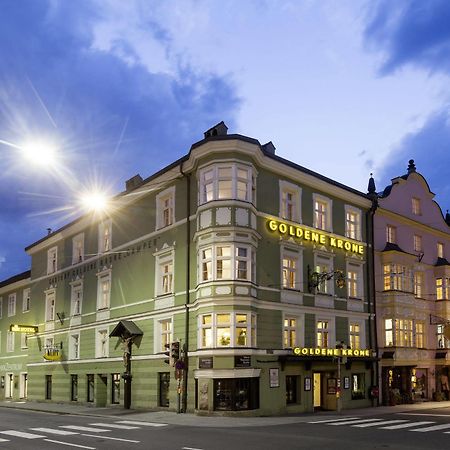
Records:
x=15, y=278
x=126, y=329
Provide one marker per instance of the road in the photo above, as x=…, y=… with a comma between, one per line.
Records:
x=424, y=429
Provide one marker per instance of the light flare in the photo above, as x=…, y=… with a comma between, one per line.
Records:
x=96, y=201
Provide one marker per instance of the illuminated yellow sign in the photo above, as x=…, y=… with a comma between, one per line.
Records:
x=52, y=354
x=339, y=352
x=306, y=234
x=23, y=328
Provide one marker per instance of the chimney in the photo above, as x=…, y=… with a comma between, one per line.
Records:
x=217, y=130
x=133, y=182
x=49, y=231
x=269, y=148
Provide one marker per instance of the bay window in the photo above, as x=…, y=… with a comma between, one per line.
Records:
x=396, y=277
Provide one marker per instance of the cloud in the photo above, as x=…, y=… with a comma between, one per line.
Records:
x=411, y=32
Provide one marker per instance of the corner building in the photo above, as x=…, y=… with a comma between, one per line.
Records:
x=258, y=267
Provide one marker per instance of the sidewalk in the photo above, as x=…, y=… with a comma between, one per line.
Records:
x=193, y=420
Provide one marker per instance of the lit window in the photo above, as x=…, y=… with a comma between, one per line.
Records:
x=355, y=335
x=352, y=223
x=206, y=264
x=440, y=250
x=322, y=334
x=358, y=386
x=78, y=248
x=76, y=298
x=26, y=300
x=290, y=332
x=165, y=208
x=415, y=206
x=442, y=341
x=417, y=243
x=103, y=290
x=352, y=283
x=388, y=333
x=396, y=277
x=50, y=306
x=403, y=332
x=290, y=195
x=206, y=331
x=290, y=272
x=439, y=289
x=102, y=346
x=324, y=265
x=223, y=330
x=420, y=335
x=320, y=215
x=104, y=236
x=227, y=181
x=165, y=327
x=52, y=260
x=391, y=234
x=11, y=305
x=418, y=284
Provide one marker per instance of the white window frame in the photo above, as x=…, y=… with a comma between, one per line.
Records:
x=389, y=330
x=417, y=243
x=165, y=280
x=397, y=277
x=103, y=296
x=26, y=301
x=214, y=192
x=440, y=248
x=353, y=227
x=168, y=195
x=78, y=248
x=291, y=273
x=102, y=342
x=12, y=304
x=105, y=236
x=391, y=234
x=416, y=206
x=328, y=331
x=362, y=332
x=10, y=341
x=419, y=278
x=294, y=205
x=23, y=341
x=52, y=260
x=324, y=215
x=290, y=331
x=164, y=334
x=74, y=346
x=357, y=268
x=324, y=263
x=50, y=305
x=76, y=287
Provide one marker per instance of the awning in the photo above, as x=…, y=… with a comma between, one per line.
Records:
x=126, y=329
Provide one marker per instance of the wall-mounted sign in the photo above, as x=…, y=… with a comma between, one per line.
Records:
x=205, y=363
x=307, y=383
x=243, y=361
x=52, y=354
x=313, y=235
x=23, y=328
x=274, y=378
x=334, y=352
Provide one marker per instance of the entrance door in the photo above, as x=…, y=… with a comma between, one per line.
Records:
x=9, y=388
x=23, y=385
x=317, y=390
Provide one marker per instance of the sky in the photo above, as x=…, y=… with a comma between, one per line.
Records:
x=343, y=87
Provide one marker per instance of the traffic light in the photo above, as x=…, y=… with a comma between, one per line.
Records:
x=167, y=353
x=175, y=351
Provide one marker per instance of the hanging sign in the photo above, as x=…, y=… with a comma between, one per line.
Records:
x=30, y=329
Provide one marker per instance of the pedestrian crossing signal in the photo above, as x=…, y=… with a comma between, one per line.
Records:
x=167, y=353
x=175, y=351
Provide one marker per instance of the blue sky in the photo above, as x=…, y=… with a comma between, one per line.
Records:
x=343, y=87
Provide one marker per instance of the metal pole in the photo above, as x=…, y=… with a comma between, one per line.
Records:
x=338, y=387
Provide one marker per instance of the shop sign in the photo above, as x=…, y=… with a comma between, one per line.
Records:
x=306, y=234
x=205, y=363
x=30, y=329
x=243, y=361
x=52, y=354
x=334, y=352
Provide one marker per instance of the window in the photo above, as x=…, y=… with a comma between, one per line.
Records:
x=165, y=327
x=26, y=300
x=324, y=265
x=322, y=334
x=440, y=250
x=103, y=290
x=352, y=223
x=74, y=349
x=420, y=335
x=358, y=386
x=292, y=384
x=236, y=394
x=225, y=262
x=165, y=274
x=76, y=296
x=415, y=206
x=102, y=343
x=290, y=332
x=52, y=260
x=23, y=341
x=10, y=337
x=355, y=335
x=418, y=284
x=442, y=341
x=164, y=384
x=396, y=277
x=290, y=271
x=105, y=236
x=353, y=281
x=48, y=387
x=115, y=388
x=391, y=234
x=165, y=208
x=50, y=306
x=388, y=333
x=74, y=388
x=290, y=195
x=11, y=305
x=403, y=332
x=226, y=181
x=78, y=248
x=227, y=330
x=90, y=387
x=322, y=212
x=417, y=243
x=442, y=288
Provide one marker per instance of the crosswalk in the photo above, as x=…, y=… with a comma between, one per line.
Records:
x=424, y=426
x=91, y=430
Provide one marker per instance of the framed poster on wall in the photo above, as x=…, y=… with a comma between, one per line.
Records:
x=307, y=383
x=274, y=378
x=331, y=386
x=346, y=382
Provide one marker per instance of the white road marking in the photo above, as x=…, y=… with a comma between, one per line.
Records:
x=384, y=422
x=334, y=420
x=351, y=422
x=22, y=434
x=111, y=438
x=80, y=428
x=53, y=431
x=115, y=425
x=424, y=414
x=4, y=440
x=70, y=444
x=190, y=448
x=433, y=428
x=406, y=425
x=144, y=424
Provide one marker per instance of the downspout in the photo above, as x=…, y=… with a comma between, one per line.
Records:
x=188, y=276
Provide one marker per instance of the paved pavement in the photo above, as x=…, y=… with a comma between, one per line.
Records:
x=211, y=421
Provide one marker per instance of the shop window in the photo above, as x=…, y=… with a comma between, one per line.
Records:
x=165, y=208
x=74, y=388
x=78, y=248
x=11, y=305
x=115, y=388
x=26, y=300
x=105, y=236
x=352, y=223
x=358, y=386
x=164, y=385
x=52, y=260
x=90, y=387
x=290, y=332
x=236, y=394
x=48, y=387
x=290, y=205
x=292, y=389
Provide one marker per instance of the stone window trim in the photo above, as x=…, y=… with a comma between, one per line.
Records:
x=296, y=191
x=103, y=297
x=296, y=254
x=74, y=346
x=353, y=222
x=50, y=310
x=161, y=335
x=105, y=236
x=26, y=303
x=165, y=217
x=78, y=248
x=102, y=342
x=391, y=234
x=12, y=301
x=331, y=329
x=75, y=287
x=299, y=328
x=357, y=266
x=326, y=214
x=52, y=260
x=164, y=280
